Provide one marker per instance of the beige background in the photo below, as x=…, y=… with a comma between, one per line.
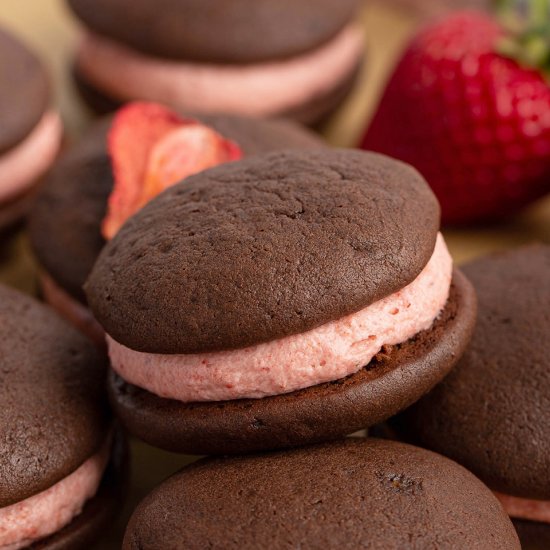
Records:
x=47, y=26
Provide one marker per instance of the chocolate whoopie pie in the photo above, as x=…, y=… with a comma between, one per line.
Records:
x=492, y=413
x=268, y=57
x=65, y=221
x=30, y=133
x=60, y=460
x=280, y=300
x=355, y=493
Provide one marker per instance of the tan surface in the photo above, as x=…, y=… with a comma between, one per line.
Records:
x=46, y=25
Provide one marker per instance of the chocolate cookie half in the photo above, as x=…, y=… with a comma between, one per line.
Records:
x=534, y=535
x=218, y=32
x=30, y=133
x=25, y=99
x=67, y=213
x=250, y=303
x=263, y=59
x=356, y=493
x=492, y=412
x=59, y=457
x=264, y=248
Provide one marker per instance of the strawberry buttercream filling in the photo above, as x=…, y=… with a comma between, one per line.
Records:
x=524, y=508
x=21, y=166
x=255, y=89
x=329, y=352
x=43, y=514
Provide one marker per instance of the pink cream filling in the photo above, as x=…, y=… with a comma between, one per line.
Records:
x=21, y=166
x=74, y=312
x=256, y=89
x=329, y=352
x=524, y=508
x=43, y=514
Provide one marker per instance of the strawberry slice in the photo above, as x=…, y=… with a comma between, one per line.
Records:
x=151, y=149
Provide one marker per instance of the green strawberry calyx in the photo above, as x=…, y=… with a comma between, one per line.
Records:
x=526, y=39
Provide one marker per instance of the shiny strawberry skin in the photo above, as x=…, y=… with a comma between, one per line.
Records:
x=475, y=124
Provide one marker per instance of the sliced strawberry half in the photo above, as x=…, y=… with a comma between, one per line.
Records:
x=151, y=149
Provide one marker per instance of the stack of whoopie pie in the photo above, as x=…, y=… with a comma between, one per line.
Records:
x=67, y=240
x=278, y=301
x=262, y=303
x=492, y=412
x=30, y=131
x=297, y=58
x=257, y=296
x=61, y=462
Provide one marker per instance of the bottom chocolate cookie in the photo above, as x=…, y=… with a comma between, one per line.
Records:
x=391, y=382
x=533, y=535
x=14, y=211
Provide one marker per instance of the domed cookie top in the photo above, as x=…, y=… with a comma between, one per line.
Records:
x=53, y=414
x=67, y=240
x=24, y=93
x=262, y=248
x=492, y=413
x=351, y=494
x=218, y=31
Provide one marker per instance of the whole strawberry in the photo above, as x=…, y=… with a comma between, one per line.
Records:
x=475, y=121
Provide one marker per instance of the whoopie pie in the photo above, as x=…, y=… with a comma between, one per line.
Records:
x=297, y=58
x=31, y=130
x=355, y=493
x=280, y=300
x=67, y=216
x=492, y=413
x=61, y=463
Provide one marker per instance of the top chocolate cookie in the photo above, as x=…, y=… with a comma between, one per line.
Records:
x=355, y=493
x=53, y=410
x=24, y=93
x=218, y=31
x=259, y=249
x=492, y=413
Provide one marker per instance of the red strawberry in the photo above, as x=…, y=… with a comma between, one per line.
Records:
x=475, y=123
x=152, y=148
